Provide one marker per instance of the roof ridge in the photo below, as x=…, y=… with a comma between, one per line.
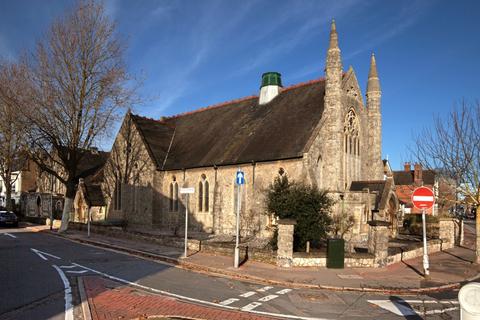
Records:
x=228, y=102
x=213, y=106
x=303, y=84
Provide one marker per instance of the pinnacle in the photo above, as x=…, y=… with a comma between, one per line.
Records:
x=373, y=81
x=373, y=67
x=333, y=36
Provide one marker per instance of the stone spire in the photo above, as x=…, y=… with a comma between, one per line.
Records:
x=374, y=96
x=333, y=116
x=334, y=59
x=373, y=84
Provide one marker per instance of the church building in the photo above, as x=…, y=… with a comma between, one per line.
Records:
x=320, y=132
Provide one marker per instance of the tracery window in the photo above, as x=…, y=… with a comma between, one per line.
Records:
x=351, y=140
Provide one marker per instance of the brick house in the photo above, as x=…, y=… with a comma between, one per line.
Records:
x=320, y=132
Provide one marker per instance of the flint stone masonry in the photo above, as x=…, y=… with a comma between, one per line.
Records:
x=285, y=243
x=447, y=231
x=378, y=241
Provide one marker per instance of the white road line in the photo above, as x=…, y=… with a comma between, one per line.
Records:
x=264, y=289
x=395, y=307
x=229, y=301
x=79, y=271
x=430, y=312
x=42, y=254
x=268, y=298
x=248, y=294
x=283, y=291
x=68, y=267
x=10, y=235
x=251, y=306
x=134, y=284
x=432, y=301
x=419, y=301
x=68, y=294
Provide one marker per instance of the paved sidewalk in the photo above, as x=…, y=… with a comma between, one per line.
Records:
x=111, y=300
x=447, y=269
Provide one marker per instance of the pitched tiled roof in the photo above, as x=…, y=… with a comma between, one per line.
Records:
x=407, y=177
x=239, y=131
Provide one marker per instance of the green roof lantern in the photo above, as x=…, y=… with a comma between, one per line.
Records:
x=271, y=79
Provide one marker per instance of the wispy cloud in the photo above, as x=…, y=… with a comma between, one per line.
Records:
x=396, y=25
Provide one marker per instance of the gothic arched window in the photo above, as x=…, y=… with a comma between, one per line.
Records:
x=203, y=196
x=351, y=140
x=173, y=196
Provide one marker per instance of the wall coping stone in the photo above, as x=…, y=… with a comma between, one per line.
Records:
x=287, y=222
x=379, y=223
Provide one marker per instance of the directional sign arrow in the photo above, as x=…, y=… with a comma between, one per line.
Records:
x=43, y=255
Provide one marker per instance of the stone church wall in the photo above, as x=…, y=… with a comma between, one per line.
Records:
x=220, y=217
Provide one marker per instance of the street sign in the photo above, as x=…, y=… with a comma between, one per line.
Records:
x=423, y=198
x=187, y=190
x=240, y=177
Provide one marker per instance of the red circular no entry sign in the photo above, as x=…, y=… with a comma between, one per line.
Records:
x=423, y=198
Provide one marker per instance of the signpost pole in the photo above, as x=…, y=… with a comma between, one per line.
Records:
x=186, y=226
x=423, y=198
x=89, y=213
x=425, y=252
x=237, y=240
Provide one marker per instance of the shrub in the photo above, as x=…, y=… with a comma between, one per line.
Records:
x=308, y=205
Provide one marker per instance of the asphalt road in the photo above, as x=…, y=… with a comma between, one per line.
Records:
x=32, y=288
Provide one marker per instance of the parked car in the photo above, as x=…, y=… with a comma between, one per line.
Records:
x=8, y=219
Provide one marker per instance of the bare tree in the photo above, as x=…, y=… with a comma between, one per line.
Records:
x=78, y=84
x=452, y=148
x=12, y=137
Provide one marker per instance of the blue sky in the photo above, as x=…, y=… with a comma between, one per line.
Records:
x=193, y=54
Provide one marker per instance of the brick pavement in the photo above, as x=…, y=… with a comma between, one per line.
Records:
x=111, y=300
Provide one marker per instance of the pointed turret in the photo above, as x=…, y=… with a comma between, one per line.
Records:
x=334, y=115
x=374, y=96
x=373, y=84
x=334, y=59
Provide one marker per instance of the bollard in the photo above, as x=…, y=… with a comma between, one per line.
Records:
x=469, y=299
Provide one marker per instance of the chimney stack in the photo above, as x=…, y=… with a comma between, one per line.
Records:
x=407, y=167
x=418, y=179
x=270, y=88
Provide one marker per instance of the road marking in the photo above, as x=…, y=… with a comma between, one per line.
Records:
x=229, y=301
x=248, y=294
x=75, y=271
x=283, y=291
x=68, y=294
x=10, y=235
x=428, y=301
x=42, y=254
x=264, y=289
x=68, y=267
x=268, y=298
x=430, y=312
x=394, y=307
x=251, y=306
x=134, y=284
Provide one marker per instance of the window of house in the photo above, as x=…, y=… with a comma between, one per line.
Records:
x=203, y=194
